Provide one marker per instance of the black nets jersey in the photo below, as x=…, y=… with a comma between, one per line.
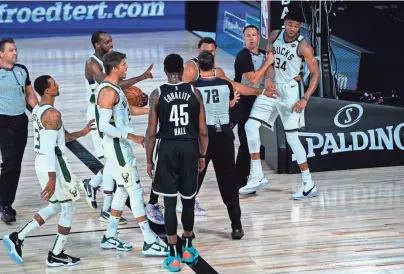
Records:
x=178, y=112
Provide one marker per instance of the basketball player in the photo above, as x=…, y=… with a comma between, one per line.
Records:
x=54, y=174
x=95, y=74
x=113, y=121
x=178, y=109
x=217, y=93
x=192, y=73
x=289, y=48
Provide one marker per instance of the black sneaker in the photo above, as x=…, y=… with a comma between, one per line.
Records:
x=91, y=193
x=10, y=211
x=6, y=215
x=61, y=260
x=237, y=234
x=14, y=247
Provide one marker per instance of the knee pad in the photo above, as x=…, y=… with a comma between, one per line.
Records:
x=296, y=146
x=252, y=129
x=50, y=211
x=66, y=216
x=136, y=200
x=119, y=200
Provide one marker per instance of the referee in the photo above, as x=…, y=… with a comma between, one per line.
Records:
x=250, y=67
x=15, y=92
x=217, y=95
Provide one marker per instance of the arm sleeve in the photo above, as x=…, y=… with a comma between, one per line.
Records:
x=107, y=128
x=49, y=138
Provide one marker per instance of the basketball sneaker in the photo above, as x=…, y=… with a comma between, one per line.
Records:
x=61, y=260
x=14, y=247
x=155, y=214
x=172, y=263
x=115, y=243
x=104, y=217
x=199, y=211
x=90, y=193
x=158, y=248
x=255, y=182
x=307, y=190
x=237, y=234
x=189, y=254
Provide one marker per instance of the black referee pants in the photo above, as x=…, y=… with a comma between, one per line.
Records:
x=221, y=153
x=13, y=139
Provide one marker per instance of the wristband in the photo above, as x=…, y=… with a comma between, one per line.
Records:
x=304, y=98
x=202, y=156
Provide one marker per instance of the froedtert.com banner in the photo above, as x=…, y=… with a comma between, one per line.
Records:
x=20, y=19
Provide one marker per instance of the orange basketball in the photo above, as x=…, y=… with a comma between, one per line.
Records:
x=136, y=97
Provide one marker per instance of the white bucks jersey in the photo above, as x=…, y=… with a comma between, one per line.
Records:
x=120, y=112
x=39, y=141
x=216, y=94
x=92, y=84
x=287, y=62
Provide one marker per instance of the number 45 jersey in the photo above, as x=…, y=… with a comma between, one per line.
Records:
x=178, y=112
x=288, y=62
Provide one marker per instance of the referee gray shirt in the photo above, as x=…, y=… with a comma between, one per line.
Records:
x=12, y=90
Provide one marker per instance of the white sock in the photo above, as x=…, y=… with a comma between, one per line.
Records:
x=256, y=166
x=112, y=226
x=148, y=234
x=28, y=228
x=96, y=180
x=306, y=176
x=59, y=244
x=107, y=202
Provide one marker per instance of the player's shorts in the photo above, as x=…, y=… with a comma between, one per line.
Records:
x=95, y=136
x=120, y=161
x=65, y=189
x=266, y=109
x=176, y=168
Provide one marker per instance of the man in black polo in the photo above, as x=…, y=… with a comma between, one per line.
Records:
x=15, y=92
x=250, y=66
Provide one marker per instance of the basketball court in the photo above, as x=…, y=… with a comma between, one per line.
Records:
x=355, y=225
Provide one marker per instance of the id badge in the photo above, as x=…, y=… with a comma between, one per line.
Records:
x=218, y=127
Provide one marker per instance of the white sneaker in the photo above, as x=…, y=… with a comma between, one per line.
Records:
x=198, y=210
x=115, y=243
x=255, y=182
x=158, y=248
x=155, y=214
x=306, y=190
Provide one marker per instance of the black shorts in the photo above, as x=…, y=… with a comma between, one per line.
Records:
x=176, y=168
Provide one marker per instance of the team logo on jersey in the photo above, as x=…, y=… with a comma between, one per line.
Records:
x=293, y=45
x=73, y=192
x=125, y=177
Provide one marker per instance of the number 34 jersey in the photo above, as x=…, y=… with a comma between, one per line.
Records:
x=288, y=62
x=178, y=112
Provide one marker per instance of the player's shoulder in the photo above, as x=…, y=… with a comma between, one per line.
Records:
x=21, y=66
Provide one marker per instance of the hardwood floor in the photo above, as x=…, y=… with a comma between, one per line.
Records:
x=354, y=226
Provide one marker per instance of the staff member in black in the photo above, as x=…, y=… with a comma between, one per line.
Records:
x=217, y=98
x=250, y=66
x=15, y=92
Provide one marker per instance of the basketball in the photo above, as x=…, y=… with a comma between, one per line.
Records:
x=136, y=97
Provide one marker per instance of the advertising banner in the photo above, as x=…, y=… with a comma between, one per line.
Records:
x=20, y=19
x=232, y=18
x=346, y=135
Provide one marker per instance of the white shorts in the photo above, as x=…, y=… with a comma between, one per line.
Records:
x=65, y=189
x=95, y=136
x=266, y=109
x=120, y=161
